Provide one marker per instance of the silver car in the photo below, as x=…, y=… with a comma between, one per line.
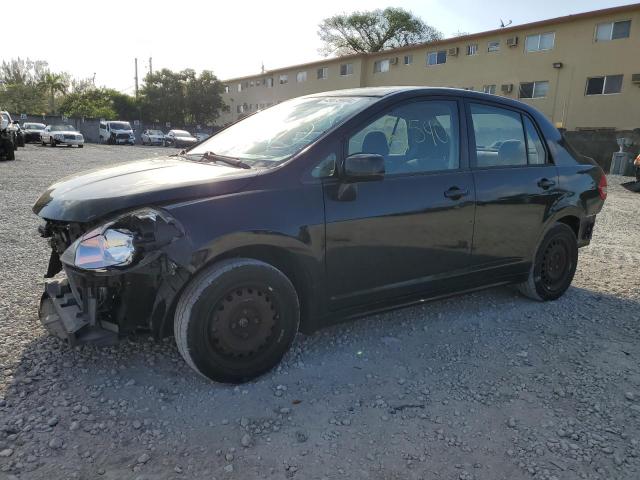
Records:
x=55, y=135
x=152, y=137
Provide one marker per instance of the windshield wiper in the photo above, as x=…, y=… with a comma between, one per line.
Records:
x=234, y=162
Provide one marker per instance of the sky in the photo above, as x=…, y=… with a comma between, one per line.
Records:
x=231, y=38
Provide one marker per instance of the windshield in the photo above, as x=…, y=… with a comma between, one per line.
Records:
x=155, y=132
x=120, y=126
x=34, y=126
x=181, y=133
x=279, y=132
x=62, y=128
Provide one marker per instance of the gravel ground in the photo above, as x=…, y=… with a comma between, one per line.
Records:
x=485, y=386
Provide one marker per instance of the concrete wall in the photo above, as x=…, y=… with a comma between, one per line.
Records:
x=600, y=145
x=565, y=104
x=89, y=126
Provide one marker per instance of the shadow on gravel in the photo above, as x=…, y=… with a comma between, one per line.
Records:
x=492, y=362
x=497, y=312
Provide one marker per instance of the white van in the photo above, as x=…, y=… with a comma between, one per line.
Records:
x=116, y=132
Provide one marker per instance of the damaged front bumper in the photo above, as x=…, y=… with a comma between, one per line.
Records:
x=99, y=305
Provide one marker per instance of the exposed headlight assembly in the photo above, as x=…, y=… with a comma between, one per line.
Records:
x=123, y=241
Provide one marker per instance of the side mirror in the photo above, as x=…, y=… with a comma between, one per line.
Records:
x=364, y=167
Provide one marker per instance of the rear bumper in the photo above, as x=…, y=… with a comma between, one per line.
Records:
x=586, y=231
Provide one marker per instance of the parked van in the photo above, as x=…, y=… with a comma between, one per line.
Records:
x=116, y=132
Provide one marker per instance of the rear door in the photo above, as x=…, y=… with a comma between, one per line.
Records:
x=516, y=185
x=401, y=235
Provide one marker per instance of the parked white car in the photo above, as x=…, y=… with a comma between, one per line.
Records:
x=55, y=135
x=116, y=132
x=152, y=137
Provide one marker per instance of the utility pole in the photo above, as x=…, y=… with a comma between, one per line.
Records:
x=150, y=65
x=136, y=77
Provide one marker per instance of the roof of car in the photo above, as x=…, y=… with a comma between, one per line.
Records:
x=380, y=92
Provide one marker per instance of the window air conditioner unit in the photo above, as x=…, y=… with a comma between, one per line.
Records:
x=507, y=88
x=393, y=61
x=512, y=42
x=453, y=51
x=635, y=78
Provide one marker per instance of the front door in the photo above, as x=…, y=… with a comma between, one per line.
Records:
x=516, y=186
x=394, y=237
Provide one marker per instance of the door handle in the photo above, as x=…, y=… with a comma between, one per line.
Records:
x=545, y=183
x=454, y=193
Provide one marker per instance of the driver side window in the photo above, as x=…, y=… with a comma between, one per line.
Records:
x=414, y=137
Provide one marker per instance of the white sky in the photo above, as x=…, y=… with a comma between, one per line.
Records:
x=231, y=37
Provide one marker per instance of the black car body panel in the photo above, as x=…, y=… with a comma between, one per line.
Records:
x=349, y=247
x=98, y=193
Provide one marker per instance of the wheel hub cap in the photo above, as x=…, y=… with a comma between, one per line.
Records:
x=242, y=322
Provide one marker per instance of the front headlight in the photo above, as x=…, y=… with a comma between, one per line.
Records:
x=132, y=238
x=109, y=248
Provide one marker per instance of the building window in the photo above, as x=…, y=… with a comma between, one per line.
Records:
x=612, y=30
x=251, y=83
x=472, y=49
x=284, y=79
x=323, y=73
x=489, y=89
x=493, y=46
x=346, y=69
x=246, y=85
x=268, y=82
x=605, y=85
x=408, y=59
x=226, y=89
x=301, y=76
x=540, y=42
x=437, y=58
x=381, y=66
x=534, y=89
x=239, y=87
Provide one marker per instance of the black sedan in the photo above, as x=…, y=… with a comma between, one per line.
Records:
x=32, y=131
x=317, y=209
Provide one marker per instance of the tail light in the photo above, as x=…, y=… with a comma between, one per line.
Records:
x=602, y=187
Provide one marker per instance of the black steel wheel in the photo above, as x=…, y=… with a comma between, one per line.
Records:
x=236, y=319
x=554, y=265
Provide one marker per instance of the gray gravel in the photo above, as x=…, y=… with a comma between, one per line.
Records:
x=486, y=386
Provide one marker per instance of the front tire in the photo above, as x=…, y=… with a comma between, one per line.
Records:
x=236, y=319
x=554, y=265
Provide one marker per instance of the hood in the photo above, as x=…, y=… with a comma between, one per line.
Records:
x=113, y=130
x=90, y=195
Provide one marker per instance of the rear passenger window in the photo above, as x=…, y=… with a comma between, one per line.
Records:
x=499, y=137
x=535, y=150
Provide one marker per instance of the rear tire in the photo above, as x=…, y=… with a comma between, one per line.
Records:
x=236, y=319
x=554, y=265
x=11, y=154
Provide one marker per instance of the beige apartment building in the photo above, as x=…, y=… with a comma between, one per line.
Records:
x=582, y=71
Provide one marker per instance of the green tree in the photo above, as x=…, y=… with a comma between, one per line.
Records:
x=181, y=97
x=99, y=103
x=20, y=90
x=203, y=98
x=53, y=83
x=373, y=31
